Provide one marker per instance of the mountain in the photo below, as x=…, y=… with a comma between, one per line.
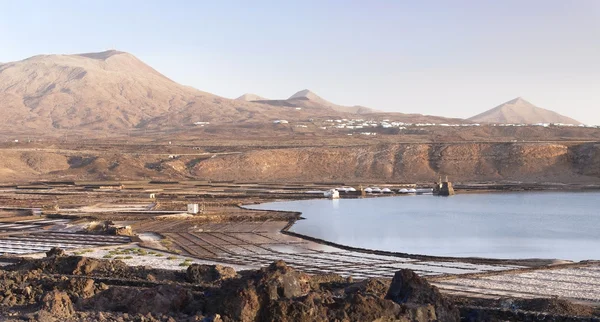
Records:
x=306, y=96
x=520, y=111
x=113, y=92
x=110, y=90
x=309, y=100
x=248, y=97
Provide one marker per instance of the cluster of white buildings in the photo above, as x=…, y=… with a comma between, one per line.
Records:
x=357, y=124
x=349, y=124
x=386, y=124
x=444, y=124
x=364, y=125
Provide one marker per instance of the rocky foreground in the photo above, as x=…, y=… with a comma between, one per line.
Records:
x=74, y=288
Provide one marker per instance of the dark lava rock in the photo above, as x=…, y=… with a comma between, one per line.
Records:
x=197, y=273
x=375, y=286
x=161, y=299
x=72, y=265
x=55, y=252
x=274, y=293
x=248, y=298
x=553, y=306
x=409, y=288
x=281, y=281
x=279, y=293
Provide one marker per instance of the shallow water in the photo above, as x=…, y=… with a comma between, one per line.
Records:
x=563, y=225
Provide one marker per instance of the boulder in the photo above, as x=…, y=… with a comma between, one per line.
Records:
x=55, y=252
x=251, y=298
x=281, y=281
x=197, y=273
x=410, y=289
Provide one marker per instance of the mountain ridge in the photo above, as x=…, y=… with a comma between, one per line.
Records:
x=309, y=100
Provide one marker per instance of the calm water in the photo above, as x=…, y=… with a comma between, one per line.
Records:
x=564, y=225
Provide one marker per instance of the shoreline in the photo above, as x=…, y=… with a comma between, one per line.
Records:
x=532, y=263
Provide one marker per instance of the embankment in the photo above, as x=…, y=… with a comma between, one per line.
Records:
x=526, y=162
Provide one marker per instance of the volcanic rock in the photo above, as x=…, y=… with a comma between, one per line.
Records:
x=409, y=288
x=197, y=273
x=55, y=252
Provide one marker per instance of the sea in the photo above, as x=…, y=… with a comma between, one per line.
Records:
x=518, y=225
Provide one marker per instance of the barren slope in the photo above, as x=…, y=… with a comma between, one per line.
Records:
x=100, y=90
x=406, y=162
x=412, y=162
x=519, y=111
x=109, y=90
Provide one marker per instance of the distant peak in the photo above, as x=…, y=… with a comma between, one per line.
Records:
x=102, y=55
x=305, y=93
x=520, y=111
x=518, y=100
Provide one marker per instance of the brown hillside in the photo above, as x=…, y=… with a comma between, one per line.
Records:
x=111, y=90
x=396, y=162
x=412, y=162
x=100, y=90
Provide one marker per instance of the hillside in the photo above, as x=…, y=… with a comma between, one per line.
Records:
x=310, y=100
x=114, y=92
x=111, y=90
x=520, y=111
x=104, y=90
x=463, y=162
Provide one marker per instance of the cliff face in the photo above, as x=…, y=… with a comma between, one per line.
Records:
x=462, y=162
x=412, y=162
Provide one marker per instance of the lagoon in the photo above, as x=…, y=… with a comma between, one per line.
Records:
x=547, y=225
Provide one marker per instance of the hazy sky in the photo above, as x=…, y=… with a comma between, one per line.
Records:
x=451, y=58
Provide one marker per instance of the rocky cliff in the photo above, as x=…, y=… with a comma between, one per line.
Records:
x=463, y=162
x=412, y=162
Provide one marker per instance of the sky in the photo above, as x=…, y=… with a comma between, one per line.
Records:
x=451, y=58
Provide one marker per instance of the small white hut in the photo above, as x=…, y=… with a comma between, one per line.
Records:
x=332, y=194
